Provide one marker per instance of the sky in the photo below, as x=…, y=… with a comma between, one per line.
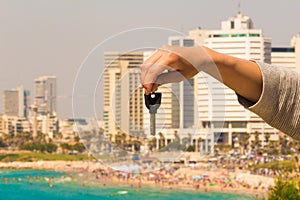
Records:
x=53, y=37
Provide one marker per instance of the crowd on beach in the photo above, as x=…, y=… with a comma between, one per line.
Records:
x=205, y=177
x=184, y=177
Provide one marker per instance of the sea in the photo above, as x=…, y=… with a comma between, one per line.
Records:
x=50, y=185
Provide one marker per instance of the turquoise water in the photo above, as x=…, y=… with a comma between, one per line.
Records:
x=15, y=185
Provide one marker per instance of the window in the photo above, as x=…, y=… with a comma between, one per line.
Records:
x=220, y=35
x=239, y=124
x=254, y=35
x=232, y=24
x=238, y=35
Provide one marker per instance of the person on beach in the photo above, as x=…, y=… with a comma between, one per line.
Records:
x=272, y=92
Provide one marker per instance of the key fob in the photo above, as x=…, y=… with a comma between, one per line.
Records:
x=153, y=101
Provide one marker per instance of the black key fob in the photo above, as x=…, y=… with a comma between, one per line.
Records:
x=153, y=101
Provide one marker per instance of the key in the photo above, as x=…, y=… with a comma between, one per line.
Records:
x=152, y=102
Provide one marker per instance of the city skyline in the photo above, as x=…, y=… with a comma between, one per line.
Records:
x=36, y=41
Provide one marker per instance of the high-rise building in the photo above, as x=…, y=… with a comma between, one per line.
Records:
x=288, y=56
x=123, y=99
x=11, y=102
x=16, y=102
x=45, y=94
x=218, y=109
x=183, y=107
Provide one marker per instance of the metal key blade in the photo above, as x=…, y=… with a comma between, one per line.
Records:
x=152, y=102
x=152, y=124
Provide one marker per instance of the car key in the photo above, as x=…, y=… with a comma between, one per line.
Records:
x=152, y=102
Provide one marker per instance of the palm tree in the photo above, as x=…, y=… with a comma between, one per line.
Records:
x=152, y=143
x=161, y=140
x=118, y=139
x=244, y=142
x=256, y=144
x=123, y=137
x=110, y=136
x=198, y=144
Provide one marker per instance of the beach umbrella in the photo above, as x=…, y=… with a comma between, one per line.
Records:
x=197, y=177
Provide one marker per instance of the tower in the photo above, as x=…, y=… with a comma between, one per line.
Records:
x=45, y=94
x=123, y=100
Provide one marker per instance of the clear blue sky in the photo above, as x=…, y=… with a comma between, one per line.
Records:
x=40, y=37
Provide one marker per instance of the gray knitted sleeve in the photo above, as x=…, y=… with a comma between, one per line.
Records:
x=279, y=104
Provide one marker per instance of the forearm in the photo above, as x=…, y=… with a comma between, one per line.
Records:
x=272, y=92
x=243, y=76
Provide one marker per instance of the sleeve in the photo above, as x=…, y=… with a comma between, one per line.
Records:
x=279, y=103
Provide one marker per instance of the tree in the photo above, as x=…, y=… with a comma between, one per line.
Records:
x=244, y=142
x=65, y=146
x=190, y=148
x=285, y=189
x=76, y=138
x=50, y=147
x=152, y=143
x=2, y=144
x=42, y=147
x=161, y=140
x=78, y=147
x=256, y=144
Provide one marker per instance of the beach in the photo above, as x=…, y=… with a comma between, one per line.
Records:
x=200, y=179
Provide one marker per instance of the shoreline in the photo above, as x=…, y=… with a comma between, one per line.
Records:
x=87, y=170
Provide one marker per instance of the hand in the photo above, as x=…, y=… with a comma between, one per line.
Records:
x=171, y=64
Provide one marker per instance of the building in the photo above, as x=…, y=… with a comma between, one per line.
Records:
x=284, y=56
x=13, y=125
x=123, y=99
x=288, y=56
x=219, y=112
x=11, y=102
x=183, y=106
x=3, y=125
x=45, y=94
x=295, y=43
x=16, y=102
x=47, y=125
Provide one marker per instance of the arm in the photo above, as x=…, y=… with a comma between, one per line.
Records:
x=243, y=76
x=271, y=92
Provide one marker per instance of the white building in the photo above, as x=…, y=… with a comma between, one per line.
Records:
x=295, y=43
x=123, y=99
x=218, y=109
x=13, y=125
x=284, y=56
x=47, y=125
x=45, y=94
x=288, y=56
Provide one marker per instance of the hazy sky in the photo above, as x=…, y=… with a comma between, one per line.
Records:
x=52, y=37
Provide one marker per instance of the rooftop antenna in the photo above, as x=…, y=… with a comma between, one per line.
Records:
x=239, y=7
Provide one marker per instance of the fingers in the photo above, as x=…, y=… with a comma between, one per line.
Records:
x=178, y=62
x=150, y=61
x=155, y=65
x=151, y=73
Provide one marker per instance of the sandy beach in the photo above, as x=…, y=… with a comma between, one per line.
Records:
x=183, y=178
